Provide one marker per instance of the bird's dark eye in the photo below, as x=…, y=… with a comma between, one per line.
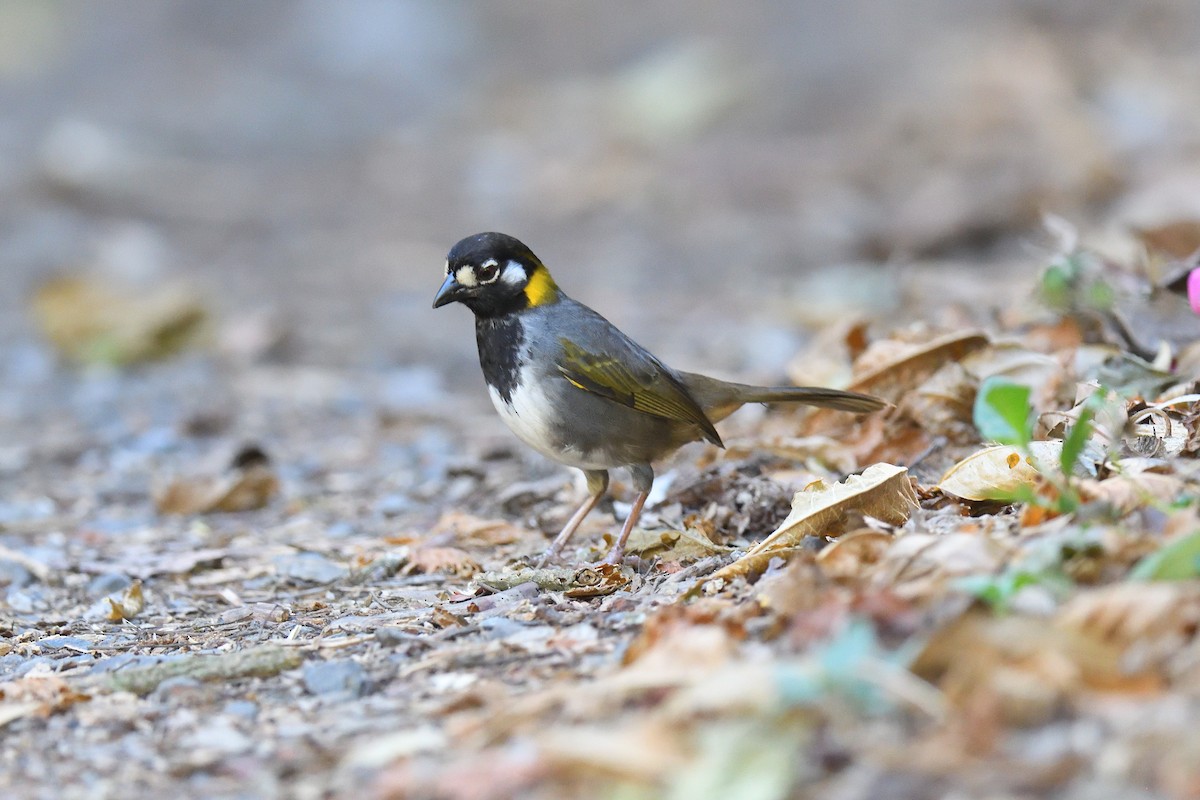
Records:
x=487, y=272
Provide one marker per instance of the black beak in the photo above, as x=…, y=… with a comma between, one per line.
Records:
x=450, y=292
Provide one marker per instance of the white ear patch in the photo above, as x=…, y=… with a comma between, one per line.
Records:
x=514, y=274
x=465, y=276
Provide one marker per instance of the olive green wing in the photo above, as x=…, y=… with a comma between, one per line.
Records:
x=637, y=380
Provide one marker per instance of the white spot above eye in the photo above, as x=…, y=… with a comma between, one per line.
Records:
x=465, y=276
x=514, y=274
x=447, y=267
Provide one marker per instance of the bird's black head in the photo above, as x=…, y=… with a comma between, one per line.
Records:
x=493, y=274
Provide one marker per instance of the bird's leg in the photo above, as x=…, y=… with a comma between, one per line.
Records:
x=597, y=484
x=643, y=480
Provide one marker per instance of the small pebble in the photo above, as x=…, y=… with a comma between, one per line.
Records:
x=500, y=627
x=65, y=643
x=309, y=567
x=393, y=635
x=108, y=583
x=335, y=677
x=241, y=708
x=13, y=573
x=180, y=688
x=393, y=505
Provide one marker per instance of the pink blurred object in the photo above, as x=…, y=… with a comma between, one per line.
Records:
x=1193, y=289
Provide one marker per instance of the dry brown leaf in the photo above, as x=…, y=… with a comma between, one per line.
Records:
x=1177, y=239
x=39, y=695
x=824, y=449
x=888, y=438
x=996, y=473
x=852, y=553
x=129, y=606
x=794, y=588
x=447, y=560
x=92, y=323
x=1157, y=432
x=468, y=530
x=597, y=581
x=250, y=484
x=943, y=404
x=907, y=367
x=922, y=565
x=1026, y=669
x=673, y=547
x=748, y=566
x=1154, y=616
x=252, y=489
x=146, y=565
x=1018, y=364
x=882, y=491
x=640, y=750
x=1129, y=492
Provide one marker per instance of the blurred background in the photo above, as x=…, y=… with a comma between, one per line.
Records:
x=718, y=178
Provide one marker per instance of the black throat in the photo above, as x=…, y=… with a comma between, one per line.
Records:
x=499, y=340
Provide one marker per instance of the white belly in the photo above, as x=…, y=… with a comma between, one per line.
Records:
x=531, y=416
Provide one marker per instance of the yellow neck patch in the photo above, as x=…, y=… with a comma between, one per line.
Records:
x=541, y=288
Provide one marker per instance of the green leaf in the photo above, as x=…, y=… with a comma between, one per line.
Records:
x=1075, y=440
x=1178, y=561
x=1002, y=412
x=1056, y=286
x=997, y=591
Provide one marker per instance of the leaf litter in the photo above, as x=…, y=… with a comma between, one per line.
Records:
x=1011, y=547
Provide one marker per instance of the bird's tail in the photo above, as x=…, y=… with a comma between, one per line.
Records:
x=813, y=396
x=719, y=399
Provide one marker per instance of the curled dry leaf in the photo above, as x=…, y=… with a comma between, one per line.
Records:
x=673, y=547
x=642, y=750
x=585, y=582
x=896, y=368
x=996, y=473
x=1017, y=363
x=129, y=606
x=882, y=491
x=1156, y=433
x=748, y=566
x=92, y=323
x=907, y=367
x=597, y=581
x=1178, y=238
x=1025, y=670
x=848, y=557
x=827, y=450
x=467, y=530
x=1128, y=492
x=39, y=695
x=923, y=565
x=447, y=560
x=1150, y=619
x=250, y=484
x=942, y=405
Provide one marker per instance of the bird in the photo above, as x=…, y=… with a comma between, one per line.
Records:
x=576, y=389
